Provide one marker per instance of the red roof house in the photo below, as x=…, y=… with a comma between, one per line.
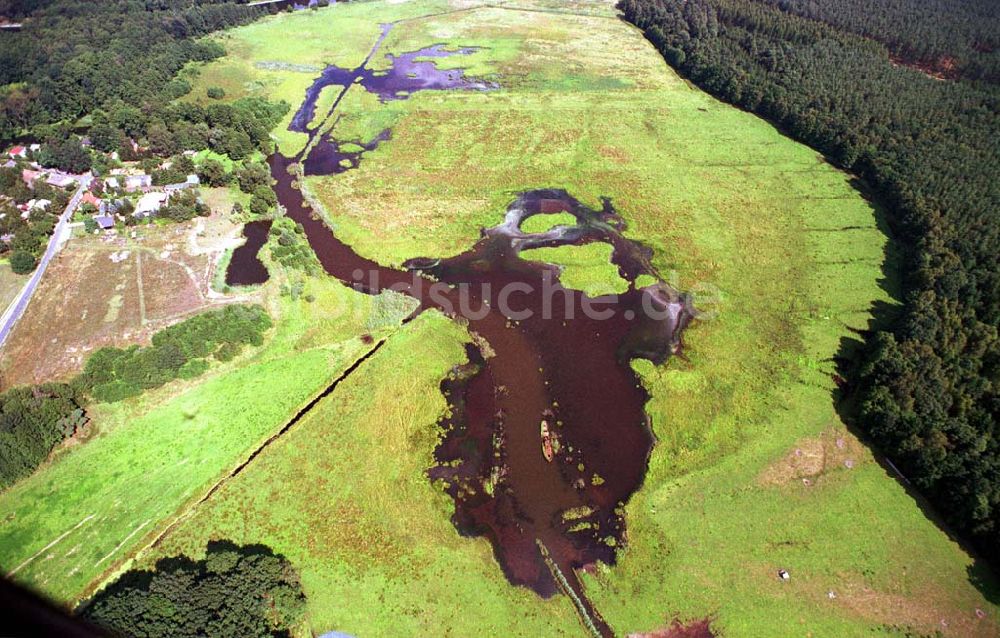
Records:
x=88, y=198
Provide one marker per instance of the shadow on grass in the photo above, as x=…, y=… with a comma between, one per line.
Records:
x=851, y=356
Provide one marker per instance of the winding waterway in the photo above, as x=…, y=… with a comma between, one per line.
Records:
x=547, y=437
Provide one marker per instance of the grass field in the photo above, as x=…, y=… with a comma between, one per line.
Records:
x=753, y=469
x=587, y=268
x=10, y=284
x=104, y=497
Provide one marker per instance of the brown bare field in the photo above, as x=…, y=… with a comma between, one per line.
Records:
x=115, y=290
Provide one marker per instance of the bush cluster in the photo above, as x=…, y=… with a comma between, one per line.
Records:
x=32, y=421
x=180, y=351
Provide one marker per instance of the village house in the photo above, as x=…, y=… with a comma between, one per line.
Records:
x=112, y=182
x=32, y=205
x=191, y=181
x=149, y=204
x=29, y=176
x=110, y=206
x=17, y=151
x=105, y=222
x=137, y=182
x=60, y=179
x=90, y=198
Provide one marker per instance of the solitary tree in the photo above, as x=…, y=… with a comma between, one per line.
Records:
x=22, y=262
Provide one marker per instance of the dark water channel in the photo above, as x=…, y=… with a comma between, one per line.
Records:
x=548, y=435
x=245, y=267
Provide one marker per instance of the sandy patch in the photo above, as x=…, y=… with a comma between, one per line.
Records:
x=814, y=457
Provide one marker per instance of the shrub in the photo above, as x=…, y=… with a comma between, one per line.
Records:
x=259, y=206
x=179, y=351
x=22, y=262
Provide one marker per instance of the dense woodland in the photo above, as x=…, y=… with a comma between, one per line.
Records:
x=97, y=83
x=33, y=420
x=72, y=57
x=930, y=149
x=952, y=37
x=234, y=592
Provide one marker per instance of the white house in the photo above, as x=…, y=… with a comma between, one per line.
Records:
x=149, y=204
x=135, y=182
x=61, y=180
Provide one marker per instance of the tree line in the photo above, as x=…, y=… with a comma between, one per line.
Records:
x=34, y=419
x=929, y=387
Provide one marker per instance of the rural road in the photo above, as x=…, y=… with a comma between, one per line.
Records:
x=20, y=303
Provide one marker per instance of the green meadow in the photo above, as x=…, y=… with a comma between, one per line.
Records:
x=587, y=268
x=753, y=470
x=87, y=512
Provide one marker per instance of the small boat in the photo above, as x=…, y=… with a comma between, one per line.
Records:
x=547, y=449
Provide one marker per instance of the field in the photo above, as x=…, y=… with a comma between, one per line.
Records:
x=114, y=290
x=10, y=284
x=143, y=460
x=753, y=471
